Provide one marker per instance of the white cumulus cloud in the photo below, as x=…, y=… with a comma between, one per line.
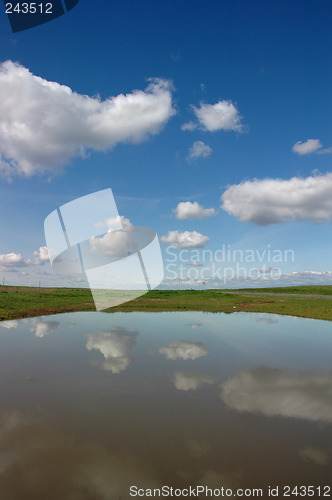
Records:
x=44, y=124
x=186, y=239
x=270, y=201
x=188, y=210
x=199, y=150
x=220, y=116
x=307, y=147
x=41, y=256
x=11, y=260
x=184, y=350
x=114, y=242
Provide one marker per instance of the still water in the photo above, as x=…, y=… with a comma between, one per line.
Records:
x=93, y=403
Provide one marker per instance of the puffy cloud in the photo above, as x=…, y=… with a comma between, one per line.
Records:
x=193, y=325
x=315, y=455
x=270, y=201
x=307, y=147
x=10, y=260
x=44, y=124
x=199, y=150
x=41, y=256
x=114, y=242
x=186, y=239
x=189, y=126
x=272, y=392
x=115, y=345
x=42, y=328
x=188, y=210
x=190, y=381
x=220, y=116
x=184, y=350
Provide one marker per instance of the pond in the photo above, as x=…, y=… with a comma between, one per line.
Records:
x=109, y=406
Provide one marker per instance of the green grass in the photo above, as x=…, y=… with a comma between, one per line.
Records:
x=24, y=302
x=301, y=290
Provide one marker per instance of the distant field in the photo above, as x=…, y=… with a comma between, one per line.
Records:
x=301, y=290
x=24, y=302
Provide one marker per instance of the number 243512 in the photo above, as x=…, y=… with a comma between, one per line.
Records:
x=29, y=8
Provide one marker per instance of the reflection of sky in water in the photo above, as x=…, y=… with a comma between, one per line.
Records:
x=95, y=402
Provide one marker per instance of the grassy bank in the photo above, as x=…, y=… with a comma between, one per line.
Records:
x=24, y=302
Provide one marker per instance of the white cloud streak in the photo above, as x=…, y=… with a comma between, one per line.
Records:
x=188, y=210
x=44, y=124
x=307, y=147
x=271, y=201
x=325, y=151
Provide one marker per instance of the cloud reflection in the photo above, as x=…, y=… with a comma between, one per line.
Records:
x=213, y=479
x=190, y=381
x=42, y=328
x=50, y=464
x=9, y=324
x=116, y=346
x=269, y=319
x=316, y=455
x=184, y=350
x=272, y=392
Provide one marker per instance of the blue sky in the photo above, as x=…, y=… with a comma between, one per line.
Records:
x=252, y=80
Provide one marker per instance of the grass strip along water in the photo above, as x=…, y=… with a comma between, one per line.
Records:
x=308, y=302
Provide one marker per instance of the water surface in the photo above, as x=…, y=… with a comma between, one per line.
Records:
x=92, y=403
